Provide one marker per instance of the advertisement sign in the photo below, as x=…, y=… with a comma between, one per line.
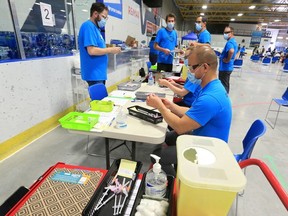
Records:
x=133, y=12
x=255, y=38
x=115, y=8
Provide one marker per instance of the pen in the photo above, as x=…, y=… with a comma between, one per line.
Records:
x=111, y=121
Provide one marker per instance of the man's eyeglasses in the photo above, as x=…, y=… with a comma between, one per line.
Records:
x=194, y=67
x=227, y=32
x=104, y=17
x=198, y=21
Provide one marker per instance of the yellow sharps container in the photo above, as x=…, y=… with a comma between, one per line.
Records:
x=208, y=176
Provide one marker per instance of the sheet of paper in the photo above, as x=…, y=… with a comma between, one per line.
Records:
x=127, y=168
x=69, y=177
x=122, y=94
x=118, y=101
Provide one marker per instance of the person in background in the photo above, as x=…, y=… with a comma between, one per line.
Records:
x=165, y=42
x=255, y=50
x=204, y=36
x=189, y=91
x=226, y=60
x=242, y=52
x=210, y=114
x=153, y=53
x=92, y=47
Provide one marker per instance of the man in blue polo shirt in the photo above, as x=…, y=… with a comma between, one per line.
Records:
x=204, y=36
x=165, y=42
x=210, y=114
x=227, y=57
x=92, y=47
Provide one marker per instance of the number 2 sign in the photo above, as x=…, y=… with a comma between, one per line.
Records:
x=46, y=14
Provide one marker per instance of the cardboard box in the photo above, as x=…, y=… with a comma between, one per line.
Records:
x=129, y=40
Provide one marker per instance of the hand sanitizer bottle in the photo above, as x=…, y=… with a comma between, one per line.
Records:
x=156, y=180
x=150, y=79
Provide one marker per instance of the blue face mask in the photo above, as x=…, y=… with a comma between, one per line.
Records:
x=193, y=79
x=170, y=25
x=101, y=23
x=226, y=36
x=186, y=62
x=198, y=26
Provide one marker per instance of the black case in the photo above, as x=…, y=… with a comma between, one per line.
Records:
x=107, y=209
x=145, y=114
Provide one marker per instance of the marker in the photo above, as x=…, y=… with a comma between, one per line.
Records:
x=111, y=121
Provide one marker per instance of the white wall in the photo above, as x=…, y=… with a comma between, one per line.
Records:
x=33, y=91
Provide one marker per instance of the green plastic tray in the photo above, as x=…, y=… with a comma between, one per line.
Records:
x=102, y=106
x=79, y=121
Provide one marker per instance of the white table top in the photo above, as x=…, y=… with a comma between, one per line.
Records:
x=137, y=129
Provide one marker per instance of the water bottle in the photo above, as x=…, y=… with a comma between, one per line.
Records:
x=156, y=180
x=121, y=119
x=150, y=79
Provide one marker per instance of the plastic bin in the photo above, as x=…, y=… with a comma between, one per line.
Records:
x=129, y=86
x=145, y=114
x=102, y=106
x=79, y=121
x=208, y=176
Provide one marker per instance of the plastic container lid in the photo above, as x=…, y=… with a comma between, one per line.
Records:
x=208, y=163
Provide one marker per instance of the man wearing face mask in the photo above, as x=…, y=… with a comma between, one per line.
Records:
x=92, y=47
x=165, y=42
x=210, y=114
x=204, y=36
x=227, y=57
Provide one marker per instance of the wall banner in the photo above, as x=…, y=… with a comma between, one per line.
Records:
x=115, y=8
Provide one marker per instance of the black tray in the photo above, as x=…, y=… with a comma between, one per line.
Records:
x=107, y=208
x=141, y=192
x=145, y=114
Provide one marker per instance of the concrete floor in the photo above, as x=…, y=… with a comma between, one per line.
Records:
x=250, y=94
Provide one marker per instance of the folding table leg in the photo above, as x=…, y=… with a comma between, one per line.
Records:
x=107, y=153
x=133, y=150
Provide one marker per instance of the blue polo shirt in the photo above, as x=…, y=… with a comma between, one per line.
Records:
x=193, y=89
x=204, y=37
x=168, y=40
x=93, y=68
x=230, y=44
x=212, y=110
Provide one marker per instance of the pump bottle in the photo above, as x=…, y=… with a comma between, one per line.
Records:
x=156, y=180
x=150, y=79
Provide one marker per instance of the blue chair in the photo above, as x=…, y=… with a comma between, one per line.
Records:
x=282, y=71
x=97, y=91
x=238, y=63
x=275, y=59
x=266, y=61
x=149, y=64
x=281, y=102
x=257, y=129
x=255, y=58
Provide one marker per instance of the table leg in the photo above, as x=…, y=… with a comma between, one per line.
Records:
x=133, y=150
x=107, y=153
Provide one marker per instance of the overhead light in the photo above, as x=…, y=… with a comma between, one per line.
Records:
x=279, y=37
x=232, y=19
x=277, y=20
x=252, y=7
x=286, y=38
x=62, y=11
x=204, y=7
x=37, y=3
x=202, y=14
x=68, y=3
x=240, y=14
x=30, y=9
x=263, y=24
x=84, y=10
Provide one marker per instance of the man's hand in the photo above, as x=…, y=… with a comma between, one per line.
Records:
x=166, y=51
x=154, y=101
x=163, y=82
x=114, y=50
